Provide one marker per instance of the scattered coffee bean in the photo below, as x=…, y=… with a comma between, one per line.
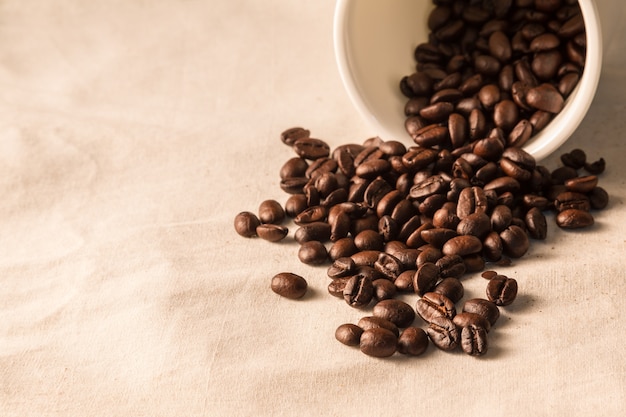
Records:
x=378, y=342
x=246, y=224
x=413, y=341
x=349, y=334
x=502, y=290
x=289, y=285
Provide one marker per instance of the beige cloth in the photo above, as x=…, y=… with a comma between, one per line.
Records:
x=132, y=132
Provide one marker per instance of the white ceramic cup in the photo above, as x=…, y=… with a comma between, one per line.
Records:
x=374, y=42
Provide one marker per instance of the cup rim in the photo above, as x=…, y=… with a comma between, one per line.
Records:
x=544, y=143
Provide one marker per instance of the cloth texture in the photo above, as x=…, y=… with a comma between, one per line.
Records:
x=131, y=134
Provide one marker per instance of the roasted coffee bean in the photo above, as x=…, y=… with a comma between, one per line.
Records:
x=341, y=267
x=413, y=341
x=500, y=46
x=246, y=224
x=489, y=149
x=295, y=205
x=581, y=184
x=533, y=200
x=294, y=167
x=545, y=97
x=577, y=158
x=471, y=200
x=312, y=231
x=598, y=198
x=271, y=232
x=366, y=257
x=433, y=305
x=502, y=290
x=291, y=135
x=336, y=287
x=425, y=278
x=435, y=184
x=464, y=319
x=450, y=287
x=378, y=342
x=493, y=247
x=487, y=65
x=294, y=185
x=501, y=217
x=358, y=291
x=462, y=245
x=443, y=333
x=515, y=241
x=312, y=252
x=438, y=236
x=289, y=285
x=570, y=200
x=474, y=340
x=536, y=223
x=311, y=149
x=450, y=266
x=349, y=334
x=340, y=248
x=396, y=311
x=475, y=224
x=373, y=322
x=520, y=134
x=369, y=240
x=574, y=219
x=485, y=308
x=596, y=167
x=384, y=289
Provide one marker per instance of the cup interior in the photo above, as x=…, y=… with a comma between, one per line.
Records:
x=374, y=43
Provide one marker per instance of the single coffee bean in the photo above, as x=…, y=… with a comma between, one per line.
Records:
x=474, y=340
x=438, y=236
x=450, y=287
x=336, y=287
x=485, y=308
x=471, y=200
x=373, y=322
x=272, y=232
x=425, y=278
x=500, y=46
x=384, y=289
x=581, y=184
x=596, y=167
x=502, y=290
x=289, y=285
x=464, y=319
x=545, y=97
x=341, y=267
x=396, y=311
x=493, y=247
x=514, y=241
x=598, y=198
x=311, y=149
x=413, y=341
x=536, y=223
x=462, y=245
x=443, y=333
x=349, y=334
x=295, y=205
x=389, y=266
x=270, y=211
x=433, y=305
x=246, y=224
x=358, y=291
x=294, y=167
x=312, y=252
x=340, y=248
x=475, y=224
x=312, y=231
x=378, y=342
x=451, y=266
x=366, y=257
x=574, y=219
x=570, y=200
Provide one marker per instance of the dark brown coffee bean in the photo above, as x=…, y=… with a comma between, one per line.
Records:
x=451, y=95
x=569, y=200
x=291, y=135
x=500, y=46
x=450, y=266
x=581, y=184
x=545, y=65
x=437, y=236
x=433, y=305
x=295, y=205
x=437, y=112
x=489, y=95
x=289, y=285
x=598, y=198
x=294, y=167
x=493, y=247
x=312, y=252
x=428, y=254
x=501, y=217
x=431, y=136
x=372, y=322
x=443, y=333
x=435, y=184
x=378, y=342
x=471, y=200
x=375, y=192
x=572, y=27
x=450, y=287
x=544, y=42
x=505, y=115
x=413, y=341
x=369, y=240
x=294, y=185
x=358, y=291
x=271, y=232
x=336, y=287
x=389, y=266
x=312, y=231
x=366, y=257
x=311, y=149
x=425, y=278
x=536, y=223
x=502, y=290
x=485, y=308
x=520, y=134
x=574, y=219
x=596, y=167
x=464, y=319
x=477, y=124
x=489, y=149
x=246, y=224
x=462, y=245
x=396, y=311
x=349, y=334
x=474, y=340
x=384, y=289
x=486, y=65
x=514, y=241
x=545, y=97
x=341, y=267
x=475, y=224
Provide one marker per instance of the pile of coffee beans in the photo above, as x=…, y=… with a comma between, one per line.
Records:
x=505, y=64
x=389, y=221
x=393, y=220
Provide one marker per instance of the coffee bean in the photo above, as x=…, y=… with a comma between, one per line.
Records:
x=396, y=311
x=378, y=342
x=596, y=167
x=465, y=318
x=570, y=200
x=246, y=224
x=413, y=341
x=289, y=285
x=373, y=322
x=271, y=232
x=581, y=184
x=425, y=278
x=369, y=240
x=462, y=245
x=433, y=305
x=358, y=291
x=349, y=334
x=384, y=289
x=536, y=223
x=291, y=135
x=312, y=231
x=450, y=287
x=474, y=340
x=312, y=252
x=310, y=148
x=475, y=224
x=443, y=333
x=574, y=219
x=545, y=97
x=485, y=308
x=502, y=290
x=598, y=198
x=514, y=241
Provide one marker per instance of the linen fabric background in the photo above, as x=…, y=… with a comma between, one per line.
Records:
x=131, y=134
